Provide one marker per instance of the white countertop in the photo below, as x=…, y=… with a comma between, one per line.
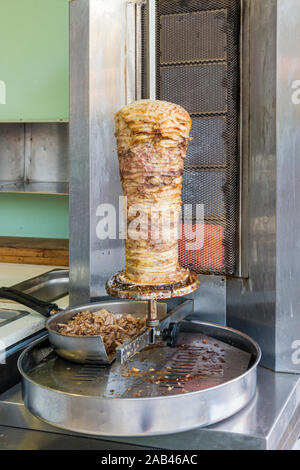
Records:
x=15, y=331
x=11, y=274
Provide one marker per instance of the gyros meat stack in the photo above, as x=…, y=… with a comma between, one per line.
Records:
x=152, y=138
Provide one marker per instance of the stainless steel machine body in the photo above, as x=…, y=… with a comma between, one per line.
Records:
x=108, y=60
x=265, y=301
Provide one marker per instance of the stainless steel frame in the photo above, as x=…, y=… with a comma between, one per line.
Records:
x=270, y=422
x=151, y=49
x=265, y=303
x=242, y=255
x=99, y=87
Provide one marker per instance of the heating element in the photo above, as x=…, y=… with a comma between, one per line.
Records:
x=197, y=66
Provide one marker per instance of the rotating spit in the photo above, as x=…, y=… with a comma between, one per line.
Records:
x=152, y=138
x=163, y=328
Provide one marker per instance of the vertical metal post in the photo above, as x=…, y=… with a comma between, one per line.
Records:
x=138, y=45
x=150, y=31
x=99, y=87
x=152, y=320
x=130, y=75
x=152, y=310
x=266, y=303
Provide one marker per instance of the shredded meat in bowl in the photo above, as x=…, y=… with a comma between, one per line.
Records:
x=114, y=329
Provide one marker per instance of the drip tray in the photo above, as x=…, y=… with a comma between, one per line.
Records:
x=209, y=376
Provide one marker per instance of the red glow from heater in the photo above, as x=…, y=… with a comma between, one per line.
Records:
x=211, y=255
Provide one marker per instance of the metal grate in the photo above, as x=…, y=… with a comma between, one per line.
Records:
x=198, y=68
x=196, y=100
x=89, y=373
x=207, y=147
x=193, y=28
x=191, y=362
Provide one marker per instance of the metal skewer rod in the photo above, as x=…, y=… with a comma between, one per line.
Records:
x=152, y=310
x=152, y=319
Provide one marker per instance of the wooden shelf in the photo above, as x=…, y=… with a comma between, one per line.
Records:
x=40, y=251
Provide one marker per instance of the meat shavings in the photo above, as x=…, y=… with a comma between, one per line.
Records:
x=152, y=138
x=114, y=329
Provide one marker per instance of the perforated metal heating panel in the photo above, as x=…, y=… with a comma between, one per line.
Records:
x=197, y=47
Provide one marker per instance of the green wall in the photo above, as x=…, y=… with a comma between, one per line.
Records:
x=34, y=215
x=34, y=50
x=34, y=66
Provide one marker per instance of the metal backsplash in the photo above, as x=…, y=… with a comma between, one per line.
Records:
x=266, y=303
x=34, y=157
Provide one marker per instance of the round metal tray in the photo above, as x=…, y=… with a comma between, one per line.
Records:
x=116, y=287
x=210, y=376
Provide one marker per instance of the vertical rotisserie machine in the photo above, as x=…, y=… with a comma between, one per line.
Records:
x=234, y=66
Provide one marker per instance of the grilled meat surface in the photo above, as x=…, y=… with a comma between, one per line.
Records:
x=152, y=138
